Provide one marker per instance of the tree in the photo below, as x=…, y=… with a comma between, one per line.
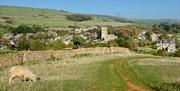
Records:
x=120, y=41
x=78, y=17
x=78, y=40
x=23, y=44
x=148, y=35
x=110, y=30
x=27, y=29
x=113, y=43
x=119, y=34
x=129, y=44
x=166, y=26
x=157, y=28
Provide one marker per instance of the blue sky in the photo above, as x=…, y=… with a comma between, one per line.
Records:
x=136, y=9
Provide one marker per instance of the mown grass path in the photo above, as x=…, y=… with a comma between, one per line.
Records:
x=121, y=68
x=119, y=73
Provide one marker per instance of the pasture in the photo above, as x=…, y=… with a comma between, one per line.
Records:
x=110, y=72
x=54, y=18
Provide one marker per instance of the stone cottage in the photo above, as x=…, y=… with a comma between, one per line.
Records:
x=168, y=45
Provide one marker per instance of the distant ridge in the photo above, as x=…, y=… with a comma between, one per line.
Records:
x=56, y=18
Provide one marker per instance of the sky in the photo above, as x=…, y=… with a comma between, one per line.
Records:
x=134, y=9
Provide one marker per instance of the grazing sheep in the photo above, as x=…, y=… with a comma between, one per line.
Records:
x=23, y=72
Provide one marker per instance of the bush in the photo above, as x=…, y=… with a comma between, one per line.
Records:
x=57, y=45
x=113, y=43
x=89, y=44
x=152, y=52
x=145, y=51
x=101, y=45
x=162, y=52
x=78, y=17
x=129, y=44
x=36, y=45
x=177, y=54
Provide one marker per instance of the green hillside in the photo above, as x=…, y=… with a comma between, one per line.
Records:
x=53, y=18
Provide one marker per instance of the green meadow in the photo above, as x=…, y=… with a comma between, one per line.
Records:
x=113, y=72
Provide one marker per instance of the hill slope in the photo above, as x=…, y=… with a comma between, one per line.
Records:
x=54, y=18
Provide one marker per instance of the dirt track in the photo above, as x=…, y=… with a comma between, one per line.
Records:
x=122, y=66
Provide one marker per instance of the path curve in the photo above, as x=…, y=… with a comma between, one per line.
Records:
x=122, y=65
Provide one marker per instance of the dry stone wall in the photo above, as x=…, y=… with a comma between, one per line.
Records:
x=10, y=59
x=22, y=56
x=36, y=55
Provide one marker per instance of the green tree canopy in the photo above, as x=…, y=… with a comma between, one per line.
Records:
x=79, y=17
x=78, y=40
x=27, y=29
x=23, y=44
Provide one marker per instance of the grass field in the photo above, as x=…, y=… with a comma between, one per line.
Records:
x=53, y=18
x=112, y=72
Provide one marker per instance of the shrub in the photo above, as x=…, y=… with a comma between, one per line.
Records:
x=162, y=52
x=36, y=45
x=56, y=45
x=177, y=54
x=152, y=52
x=89, y=44
x=113, y=43
x=145, y=50
x=101, y=45
x=78, y=17
x=129, y=43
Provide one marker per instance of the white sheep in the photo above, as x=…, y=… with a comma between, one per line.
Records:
x=23, y=72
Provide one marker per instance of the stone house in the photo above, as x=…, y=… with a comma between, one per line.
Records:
x=168, y=45
x=153, y=36
x=52, y=33
x=18, y=36
x=8, y=35
x=67, y=40
x=141, y=36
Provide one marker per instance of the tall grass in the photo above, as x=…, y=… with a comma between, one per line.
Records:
x=158, y=74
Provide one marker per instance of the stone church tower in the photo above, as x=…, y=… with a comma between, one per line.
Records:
x=104, y=33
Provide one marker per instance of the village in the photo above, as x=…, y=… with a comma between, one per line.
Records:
x=89, y=45
x=95, y=36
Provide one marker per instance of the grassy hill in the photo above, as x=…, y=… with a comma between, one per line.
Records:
x=54, y=18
